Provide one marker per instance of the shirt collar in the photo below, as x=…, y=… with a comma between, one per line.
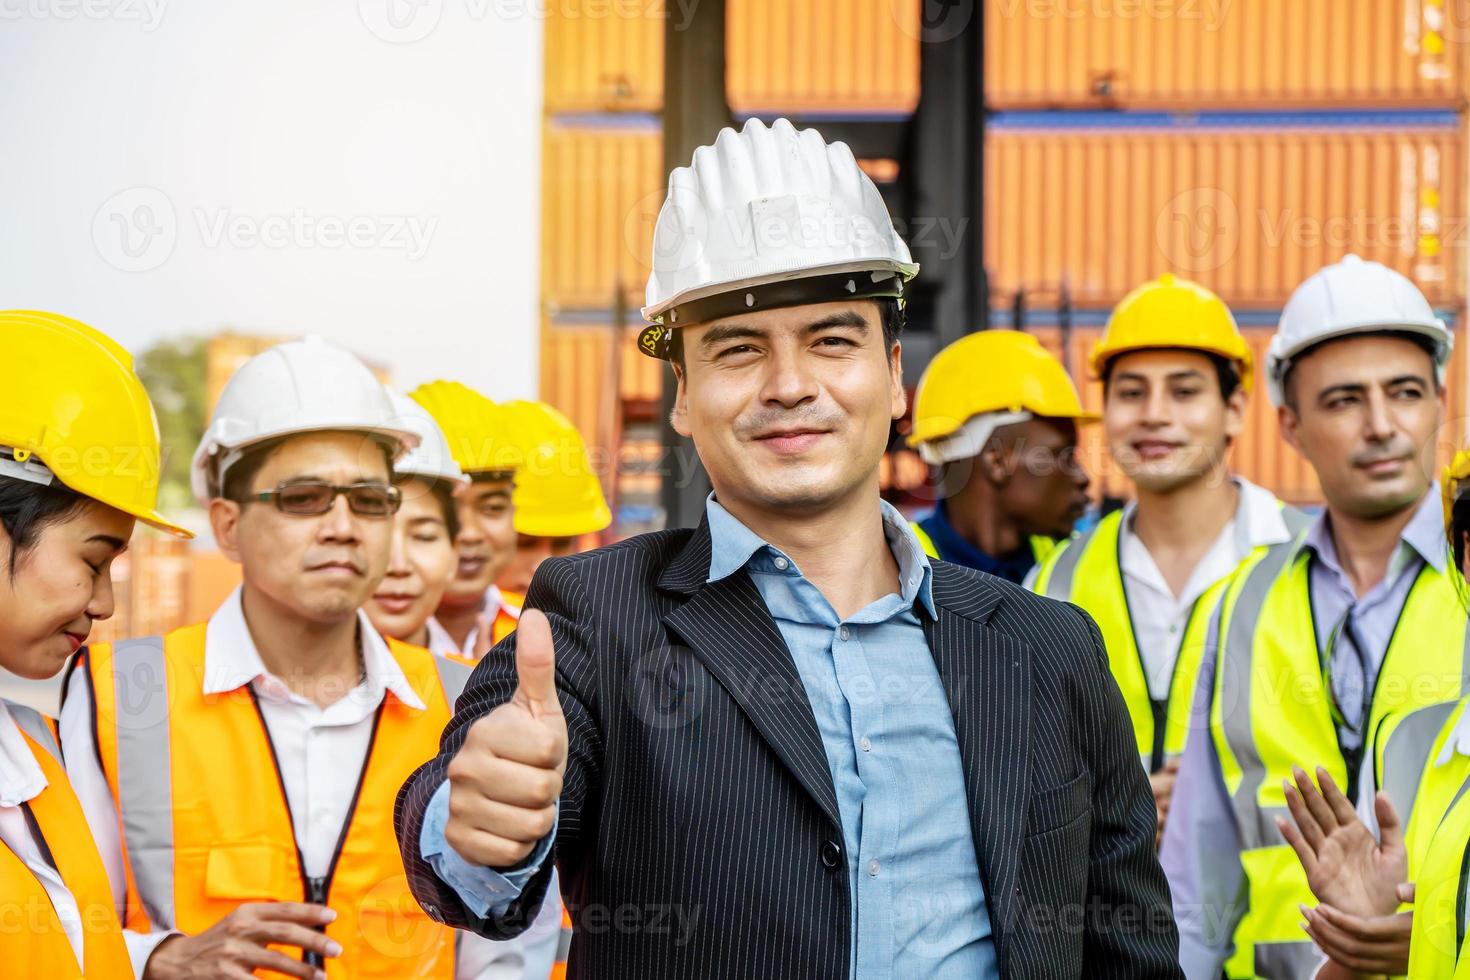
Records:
x=231, y=659
x=1258, y=519
x=21, y=778
x=1423, y=537
x=732, y=545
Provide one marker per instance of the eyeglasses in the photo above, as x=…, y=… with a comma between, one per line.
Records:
x=311, y=498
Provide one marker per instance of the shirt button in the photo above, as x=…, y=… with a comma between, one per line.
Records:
x=1173, y=627
x=842, y=633
x=873, y=867
x=866, y=745
x=782, y=564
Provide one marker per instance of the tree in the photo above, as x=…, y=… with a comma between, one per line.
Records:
x=173, y=371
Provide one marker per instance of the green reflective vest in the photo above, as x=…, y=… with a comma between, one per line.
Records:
x=1272, y=709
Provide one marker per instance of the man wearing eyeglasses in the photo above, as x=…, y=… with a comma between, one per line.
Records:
x=250, y=763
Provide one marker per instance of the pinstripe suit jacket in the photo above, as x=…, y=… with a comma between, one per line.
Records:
x=699, y=825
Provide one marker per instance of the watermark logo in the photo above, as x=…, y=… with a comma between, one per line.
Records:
x=135, y=230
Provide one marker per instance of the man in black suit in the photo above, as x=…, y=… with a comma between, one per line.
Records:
x=785, y=744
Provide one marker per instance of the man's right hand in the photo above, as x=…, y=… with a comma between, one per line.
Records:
x=235, y=946
x=1346, y=866
x=506, y=778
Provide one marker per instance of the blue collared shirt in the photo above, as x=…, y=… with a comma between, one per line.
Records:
x=918, y=903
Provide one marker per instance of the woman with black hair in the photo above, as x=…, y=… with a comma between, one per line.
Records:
x=79, y=466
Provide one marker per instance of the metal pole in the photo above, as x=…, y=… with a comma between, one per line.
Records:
x=695, y=109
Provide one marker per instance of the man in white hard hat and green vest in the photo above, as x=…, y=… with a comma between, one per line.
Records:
x=1316, y=642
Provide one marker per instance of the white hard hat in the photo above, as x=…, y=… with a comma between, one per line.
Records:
x=431, y=458
x=301, y=386
x=768, y=217
x=1346, y=298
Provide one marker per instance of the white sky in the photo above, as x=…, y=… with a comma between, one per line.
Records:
x=363, y=169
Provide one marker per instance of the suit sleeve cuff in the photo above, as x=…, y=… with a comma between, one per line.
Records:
x=486, y=893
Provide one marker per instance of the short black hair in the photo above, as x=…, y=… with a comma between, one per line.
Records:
x=1417, y=339
x=27, y=509
x=1226, y=373
x=240, y=477
x=891, y=314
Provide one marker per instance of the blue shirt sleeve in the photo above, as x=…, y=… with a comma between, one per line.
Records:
x=484, y=892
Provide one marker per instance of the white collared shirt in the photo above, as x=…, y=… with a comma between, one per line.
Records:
x=442, y=643
x=1159, y=616
x=21, y=780
x=321, y=752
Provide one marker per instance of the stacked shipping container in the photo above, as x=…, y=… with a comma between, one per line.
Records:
x=1241, y=144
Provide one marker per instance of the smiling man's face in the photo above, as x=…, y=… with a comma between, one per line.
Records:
x=790, y=409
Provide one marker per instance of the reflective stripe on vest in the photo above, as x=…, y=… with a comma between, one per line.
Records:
x=1041, y=546
x=40, y=948
x=1087, y=571
x=1271, y=710
x=206, y=823
x=1401, y=748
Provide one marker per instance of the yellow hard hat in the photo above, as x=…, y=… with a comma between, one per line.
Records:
x=477, y=430
x=1173, y=312
x=556, y=494
x=991, y=371
x=1454, y=479
x=74, y=411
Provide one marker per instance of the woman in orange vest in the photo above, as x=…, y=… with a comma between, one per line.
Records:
x=79, y=465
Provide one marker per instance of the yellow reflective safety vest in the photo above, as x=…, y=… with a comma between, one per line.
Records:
x=34, y=943
x=1041, y=545
x=1432, y=798
x=1272, y=709
x=1088, y=571
x=206, y=824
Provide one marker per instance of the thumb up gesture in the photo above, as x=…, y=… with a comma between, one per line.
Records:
x=506, y=778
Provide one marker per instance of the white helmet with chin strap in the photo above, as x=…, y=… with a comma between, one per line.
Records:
x=768, y=217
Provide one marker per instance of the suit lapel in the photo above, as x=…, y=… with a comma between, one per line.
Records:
x=987, y=678
x=729, y=629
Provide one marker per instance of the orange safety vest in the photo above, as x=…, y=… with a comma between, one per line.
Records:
x=32, y=940
x=206, y=824
x=507, y=616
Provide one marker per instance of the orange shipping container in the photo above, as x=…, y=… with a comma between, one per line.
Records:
x=578, y=371
x=822, y=56
x=1260, y=455
x=1221, y=53
x=1251, y=213
x=601, y=192
x=604, y=57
